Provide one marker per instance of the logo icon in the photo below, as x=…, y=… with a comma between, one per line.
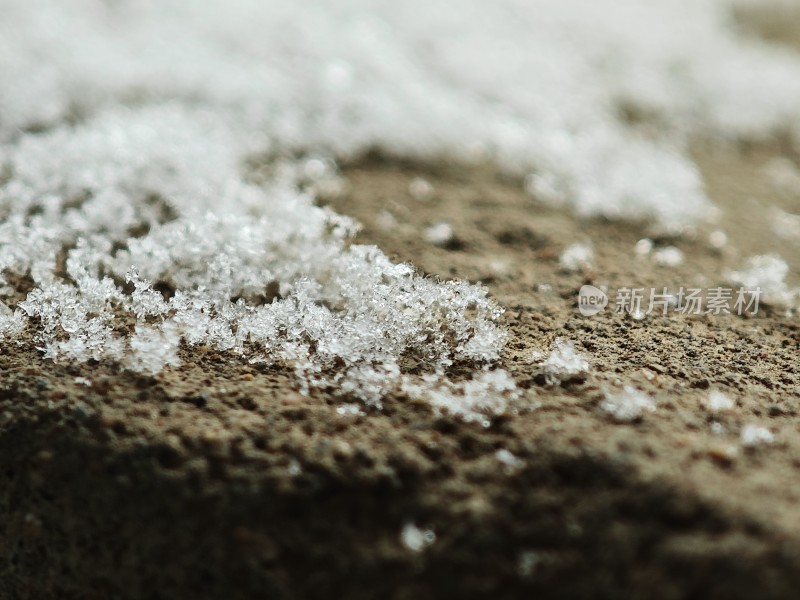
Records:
x=591, y=300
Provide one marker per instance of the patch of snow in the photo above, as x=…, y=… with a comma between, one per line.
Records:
x=564, y=363
x=486, y=395
x=128, y=183
x=669, y=256
x=767, y=273
x=643, y=247
x=439, y=234
x=511, y=464
x=577, y=257
x=420, y=189
x=627, y=405
x=755, y=435
x=718, y=239
x=785, y=225
x=415, y=539
x=719, y=402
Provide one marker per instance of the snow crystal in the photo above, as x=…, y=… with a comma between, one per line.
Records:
x=564, y=363
x=719, y=402
x=767, y=273
x=755, y=435
x=577, y=257
x=627, y=405
x=416, y=539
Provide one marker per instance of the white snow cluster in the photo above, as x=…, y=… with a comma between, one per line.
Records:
x=768, y=273
x=153, y=157
x=719, y=402
x=753, y=436
x=416, y=539
x=627, y=405
x=577, y=257
x=564, y=363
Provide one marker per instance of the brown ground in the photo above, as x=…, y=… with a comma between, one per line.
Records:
x=219, y=480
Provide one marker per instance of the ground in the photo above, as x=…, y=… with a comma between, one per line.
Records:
x=219, y=479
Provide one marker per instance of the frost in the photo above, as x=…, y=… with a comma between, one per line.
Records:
x=416, y=539
x=577, y=257
x=627, y=405
x=564, y=363
x=755, y=435
x=719, y=402
x=767, y=273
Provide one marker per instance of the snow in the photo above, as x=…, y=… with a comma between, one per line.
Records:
x=754, y=435
x=577, y=257
x=159, y=163
x=669, y=256
x=719, y=402
x=439, y=234
x=627, y=405
x=564, y=363
x=768, y=273
x=416, y=539
x=511, y=463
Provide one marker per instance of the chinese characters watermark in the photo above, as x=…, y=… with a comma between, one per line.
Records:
x=640, y=302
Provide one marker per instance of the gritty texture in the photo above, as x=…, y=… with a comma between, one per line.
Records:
x=216, y=479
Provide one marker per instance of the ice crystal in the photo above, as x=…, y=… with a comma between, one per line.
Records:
x=629, y=404
x=564, y=363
